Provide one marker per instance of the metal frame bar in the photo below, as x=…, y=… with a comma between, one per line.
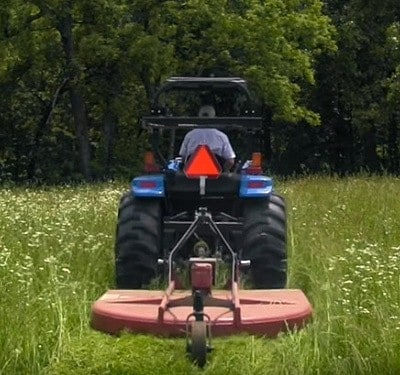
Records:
x=180, y=122
x=184, y=225
x=202, y=217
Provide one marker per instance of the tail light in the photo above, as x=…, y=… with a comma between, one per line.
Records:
x=256, y=159
x=150, y=165
x=147, y=184
x=256, y=184
x=255, y=167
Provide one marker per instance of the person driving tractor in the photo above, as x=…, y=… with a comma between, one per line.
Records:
x=216, y=140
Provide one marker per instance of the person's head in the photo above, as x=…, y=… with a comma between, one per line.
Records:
x=207, y=111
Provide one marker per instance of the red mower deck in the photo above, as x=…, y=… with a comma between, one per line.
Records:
x=257, y=312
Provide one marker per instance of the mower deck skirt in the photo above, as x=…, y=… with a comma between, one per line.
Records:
x=257, y=312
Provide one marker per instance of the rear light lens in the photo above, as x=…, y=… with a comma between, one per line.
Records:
x=149, y=158
x=256, y=159
x=147, y=184
x=254, y=170
x=255, y=166
x=256, y=184
x=150, y=165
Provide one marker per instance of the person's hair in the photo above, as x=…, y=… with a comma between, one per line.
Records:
x=207, y=111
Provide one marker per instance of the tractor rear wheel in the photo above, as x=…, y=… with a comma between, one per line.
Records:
x=138, y=241
x=264, y=241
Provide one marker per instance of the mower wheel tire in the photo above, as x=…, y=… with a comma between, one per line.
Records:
x=264, y=241
x=198, y=347
x=138, y=241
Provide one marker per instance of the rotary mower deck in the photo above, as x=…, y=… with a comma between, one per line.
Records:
x=184, y=313
x=201, y=312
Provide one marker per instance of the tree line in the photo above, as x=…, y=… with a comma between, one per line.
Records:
x=75, y=76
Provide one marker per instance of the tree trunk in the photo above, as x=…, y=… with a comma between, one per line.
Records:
x=41, y=131
x=393, y=143
x=342, y=158
x=76, y=97
x=371, y=159
x=110, y=126
x=110, y=118
x=79, y=113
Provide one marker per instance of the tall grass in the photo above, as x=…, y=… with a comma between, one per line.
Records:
x=56, y=258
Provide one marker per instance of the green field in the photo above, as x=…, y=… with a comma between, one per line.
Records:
x=56, y=257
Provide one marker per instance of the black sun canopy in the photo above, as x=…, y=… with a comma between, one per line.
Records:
x=177, y=104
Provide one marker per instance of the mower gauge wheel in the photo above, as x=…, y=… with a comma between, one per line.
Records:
x=198, y=347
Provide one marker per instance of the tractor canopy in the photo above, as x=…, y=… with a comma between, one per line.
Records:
x=177, y=103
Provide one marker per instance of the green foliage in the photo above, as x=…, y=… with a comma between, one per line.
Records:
x=359, y=82
x=331, y=62
x=274, y=44
x=119, y=49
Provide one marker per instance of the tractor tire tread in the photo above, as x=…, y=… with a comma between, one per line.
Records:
x=264, y=241
x=137, y=242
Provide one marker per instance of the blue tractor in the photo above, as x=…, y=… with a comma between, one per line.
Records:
x=177, y=210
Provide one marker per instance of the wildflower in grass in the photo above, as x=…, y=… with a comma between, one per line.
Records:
x=56, y=253
x=346, y=282
x=369, y=278
x=51, y=259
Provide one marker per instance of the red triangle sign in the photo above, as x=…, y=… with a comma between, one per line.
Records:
x=202, y=164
